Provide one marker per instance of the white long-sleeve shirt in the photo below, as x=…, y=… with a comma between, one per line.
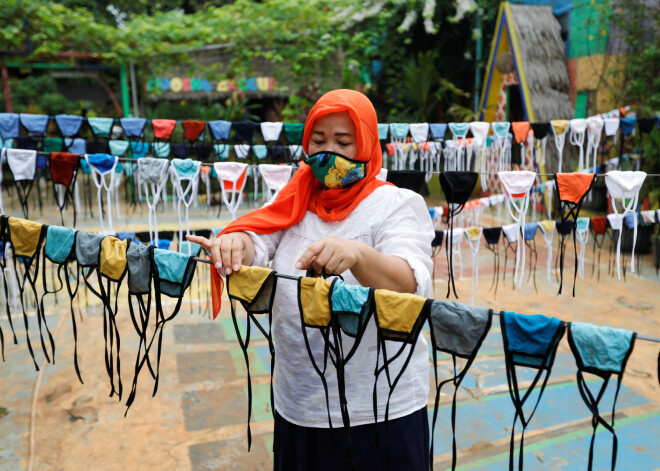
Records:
x=393, y=221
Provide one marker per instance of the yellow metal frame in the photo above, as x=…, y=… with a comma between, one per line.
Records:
x=506, y=38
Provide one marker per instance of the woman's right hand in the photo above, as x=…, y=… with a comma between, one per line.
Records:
x=229, y=251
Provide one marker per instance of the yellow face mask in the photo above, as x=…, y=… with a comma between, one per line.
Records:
x=314, y=304
x=113, y=258
x=399, y=315
x=254, y=287
x=25, y=236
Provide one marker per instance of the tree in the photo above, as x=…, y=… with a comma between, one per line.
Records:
x=312, y=45
x=637, y=32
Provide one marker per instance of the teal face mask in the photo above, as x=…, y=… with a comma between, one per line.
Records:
x=334, y=170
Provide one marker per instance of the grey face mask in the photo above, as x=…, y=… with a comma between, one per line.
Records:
x=139, y=269
x=152, y=169
x=458, y=330
x=88, y=248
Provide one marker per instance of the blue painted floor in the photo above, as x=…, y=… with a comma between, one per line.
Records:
x=484, y=418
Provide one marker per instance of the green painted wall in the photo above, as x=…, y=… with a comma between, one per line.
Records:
x=581, y=102
x=589, y=33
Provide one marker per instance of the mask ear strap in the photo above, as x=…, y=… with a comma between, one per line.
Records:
x=437, y=390
x=562, y=235
x=109, y=332
x=41, y=304
x=496, y=265
x=68, y=195
x=23, y=189
x=409, y=340
x=341, y=383
x=598, y=245
x=244, y=346
x=449, y=248
x=144, y=311
x=514, y=391
x=456, y=380
x=5, y=270
x=319, y=372
x=27, y=278
x=533, y=261
x=574, y=212
x=267, y=334
x=72, y=295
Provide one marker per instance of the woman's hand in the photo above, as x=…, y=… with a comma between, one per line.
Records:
x=229, y=251
x=334, y=254
x=369, y=267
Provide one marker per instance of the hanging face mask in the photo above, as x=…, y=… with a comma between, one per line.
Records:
x=336, y=171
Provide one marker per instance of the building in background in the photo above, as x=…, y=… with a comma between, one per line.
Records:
x=526, y=78
x=592, y=51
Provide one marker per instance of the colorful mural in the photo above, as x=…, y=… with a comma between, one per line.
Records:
x=193, y=84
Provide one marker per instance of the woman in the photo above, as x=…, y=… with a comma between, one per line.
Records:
x=334, y=215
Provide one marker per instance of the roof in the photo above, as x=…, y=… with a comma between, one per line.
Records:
x=558, y=6
x=544, y=59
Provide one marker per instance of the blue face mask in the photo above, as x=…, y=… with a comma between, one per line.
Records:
x=334, y=170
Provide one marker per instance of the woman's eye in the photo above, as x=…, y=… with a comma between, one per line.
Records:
x=317, y=143
x=344, y=144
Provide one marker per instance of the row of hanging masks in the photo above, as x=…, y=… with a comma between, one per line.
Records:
x=571, y=190
x=133, y=130
x=585, y=134
x=593, y=230
x=101, y=264
x=70, y=126
x=338, y=310
x=105, y=171
x=24, y=165
x=591, y=135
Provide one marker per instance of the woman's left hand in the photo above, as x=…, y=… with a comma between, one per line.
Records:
x=334, y=254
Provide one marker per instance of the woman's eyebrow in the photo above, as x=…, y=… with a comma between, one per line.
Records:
x=349, y=134
x=318, y=132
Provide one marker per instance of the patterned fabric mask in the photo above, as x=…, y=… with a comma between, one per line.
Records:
x=334, y=170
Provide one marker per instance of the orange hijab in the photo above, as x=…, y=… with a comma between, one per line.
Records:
x=304, y=192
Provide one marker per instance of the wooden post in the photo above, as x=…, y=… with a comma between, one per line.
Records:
x=6, y=89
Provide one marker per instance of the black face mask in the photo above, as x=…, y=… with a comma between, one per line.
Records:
x=409, y=179
x=457, y=187
x=492, y=236
x=541, y=130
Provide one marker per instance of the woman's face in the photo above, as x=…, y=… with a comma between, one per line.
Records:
x=334, y=132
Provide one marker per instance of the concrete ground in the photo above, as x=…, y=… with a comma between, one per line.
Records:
x=197, y=420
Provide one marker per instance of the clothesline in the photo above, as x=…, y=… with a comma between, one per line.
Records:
x=295, y=278
x=207, y=164
x=210, y=164
x=628, y=121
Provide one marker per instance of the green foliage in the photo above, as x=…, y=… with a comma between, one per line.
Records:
x=52, y=28
x=425, y=90
x=234, y=108
x=296, y=109
x=651, y=164
x=638, y=33
x=50, y=101
x=312, y=45
x=420, y=78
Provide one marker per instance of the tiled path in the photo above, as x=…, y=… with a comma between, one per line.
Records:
x=197, y=421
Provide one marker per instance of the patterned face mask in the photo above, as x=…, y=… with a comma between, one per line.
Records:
x=334, y=170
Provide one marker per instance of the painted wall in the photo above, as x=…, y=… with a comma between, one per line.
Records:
x=589, y=33
x=597, y=74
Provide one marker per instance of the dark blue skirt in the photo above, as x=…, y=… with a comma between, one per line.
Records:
x=299, y=448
